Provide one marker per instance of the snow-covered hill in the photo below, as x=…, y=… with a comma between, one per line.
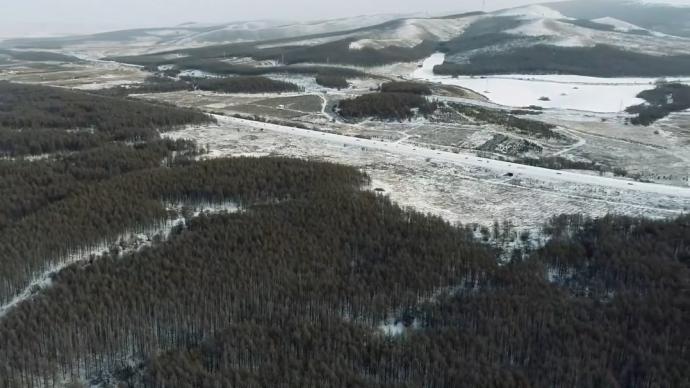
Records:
x=462, y=37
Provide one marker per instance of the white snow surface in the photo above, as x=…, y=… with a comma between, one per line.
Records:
x=591, y=94
x=468, y=159
x=562, y=33
x=617, y=24
x=532, y=12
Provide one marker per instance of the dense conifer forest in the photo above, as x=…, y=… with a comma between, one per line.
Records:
x=386, y=106
x=661, y=101
x=308, y=281
x=597, y=61
x=332, y=81
x=244, y=85
x=239, y=84
x=71, y=120
x=336, y=52
x=406, y=87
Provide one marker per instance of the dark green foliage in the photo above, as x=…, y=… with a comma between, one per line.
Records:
x=560, y=163
x=598, y=61
x=291, y=294
x=385, y=106
x=487, y=33
x=337, y=52
x=406, y=87
x=34, y=141
x=508, y=120
x=223, y=68
x=332, y=81
x=28, y=186
x=34, y=107
x=99, y=199
x=39, y=56
x=244, y=85
x=298, y=247
x=663, y=100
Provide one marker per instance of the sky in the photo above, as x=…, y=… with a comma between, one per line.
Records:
x=24, y=18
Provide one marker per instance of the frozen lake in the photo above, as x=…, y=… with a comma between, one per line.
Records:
x=574, y=92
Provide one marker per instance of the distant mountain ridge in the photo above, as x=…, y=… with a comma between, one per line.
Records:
x=602, y=37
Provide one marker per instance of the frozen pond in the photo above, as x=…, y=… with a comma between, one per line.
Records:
x=590, y=94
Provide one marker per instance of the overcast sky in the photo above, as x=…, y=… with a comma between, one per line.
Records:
x=51, y=17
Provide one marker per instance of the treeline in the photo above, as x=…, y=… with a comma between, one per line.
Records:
x=37, y=141
x=332, y=81
x=485, y=33
x=244, y=85
x=293, y=294
x=240, y=84
x=312, y=246
x=70, y=113
x=561, y=163
x=101, y=203
x=406, y=87
x=39, y=56
x=219, y=67
x=509, y=121
x=663, y=100
x=597, y=61
x=337, y=52
x=386, y=106
x=313, y=282
x=566, y=316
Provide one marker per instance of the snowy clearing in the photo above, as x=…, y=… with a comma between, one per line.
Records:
x=471, y=160
x=468, y=191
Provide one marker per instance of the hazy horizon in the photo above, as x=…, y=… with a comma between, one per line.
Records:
x=33, y=18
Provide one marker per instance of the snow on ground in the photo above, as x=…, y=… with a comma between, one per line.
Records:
x=196, y=74
x=618, y=25
x=127, y=242
x=458, y=187
x=562, y=33
x=412, y=32
x=580, y=93
x=460, y=158
x=532, y=12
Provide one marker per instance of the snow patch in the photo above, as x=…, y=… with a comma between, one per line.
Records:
x=412, y=32
x=395, y=328
x=532, y=12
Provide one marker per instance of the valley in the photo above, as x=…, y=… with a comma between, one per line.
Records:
x=479, y=199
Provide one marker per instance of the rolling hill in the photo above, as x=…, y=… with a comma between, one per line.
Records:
x=620, y=38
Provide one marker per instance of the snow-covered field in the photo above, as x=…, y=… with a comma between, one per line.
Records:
x=458, y=187
x=580, y=93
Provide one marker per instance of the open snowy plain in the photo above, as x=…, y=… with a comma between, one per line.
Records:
x=590, y=94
